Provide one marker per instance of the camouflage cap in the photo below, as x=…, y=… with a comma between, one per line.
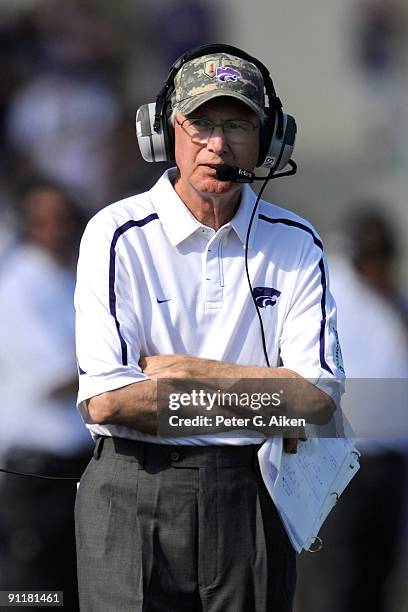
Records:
x=215, y=75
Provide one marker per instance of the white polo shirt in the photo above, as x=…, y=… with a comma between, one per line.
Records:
x=152, y=280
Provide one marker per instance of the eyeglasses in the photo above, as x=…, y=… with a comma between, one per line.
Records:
x=236, y=131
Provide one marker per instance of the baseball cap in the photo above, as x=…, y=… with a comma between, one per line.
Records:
x=218, y=74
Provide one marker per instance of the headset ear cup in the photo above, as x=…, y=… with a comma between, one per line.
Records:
x=154, y=146
x=280, y=147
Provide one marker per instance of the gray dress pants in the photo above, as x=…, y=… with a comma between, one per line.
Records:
x=176, y=528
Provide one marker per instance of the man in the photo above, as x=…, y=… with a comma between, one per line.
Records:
x=185, y=523
x=41, y=432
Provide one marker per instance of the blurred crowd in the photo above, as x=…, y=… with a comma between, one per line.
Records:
x=72, y=74
x=379, y=52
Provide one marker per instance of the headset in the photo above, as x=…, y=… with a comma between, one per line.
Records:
x=155, y=134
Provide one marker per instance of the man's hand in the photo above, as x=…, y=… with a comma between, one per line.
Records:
x=185, y=366
x=290, y=445
x=172, y=366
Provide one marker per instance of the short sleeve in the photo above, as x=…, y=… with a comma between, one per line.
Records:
x=309, y=343
x=107, y=328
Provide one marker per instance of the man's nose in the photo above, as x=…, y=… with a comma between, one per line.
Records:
x=217, y=143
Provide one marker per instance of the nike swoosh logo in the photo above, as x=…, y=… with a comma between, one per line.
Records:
x=161, y=301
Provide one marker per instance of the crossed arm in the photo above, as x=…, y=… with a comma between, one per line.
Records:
x=135, y=405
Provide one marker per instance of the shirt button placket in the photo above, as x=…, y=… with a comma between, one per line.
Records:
x=213, y=279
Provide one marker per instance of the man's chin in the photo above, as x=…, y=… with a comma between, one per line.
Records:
x=213, y=185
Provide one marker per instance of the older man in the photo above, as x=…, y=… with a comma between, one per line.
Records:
x=185, y=523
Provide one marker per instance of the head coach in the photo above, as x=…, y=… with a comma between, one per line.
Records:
x=196, y=276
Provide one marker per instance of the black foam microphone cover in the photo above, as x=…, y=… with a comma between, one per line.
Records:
x=224, y=172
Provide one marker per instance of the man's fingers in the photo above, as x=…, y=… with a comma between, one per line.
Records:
x=290, y=445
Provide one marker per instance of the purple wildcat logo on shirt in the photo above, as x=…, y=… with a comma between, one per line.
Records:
x=226, y=73
x=265, y=296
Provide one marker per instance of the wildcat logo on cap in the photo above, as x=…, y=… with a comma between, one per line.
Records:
x=226, y=73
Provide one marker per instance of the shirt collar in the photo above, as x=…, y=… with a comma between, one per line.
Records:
x=179, y=223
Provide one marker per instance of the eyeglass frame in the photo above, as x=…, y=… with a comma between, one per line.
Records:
x=214, y=125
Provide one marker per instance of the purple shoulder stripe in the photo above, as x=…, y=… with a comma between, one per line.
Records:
x=112, y=269
x=292, y=223
x=319, y=244
x=323, y=361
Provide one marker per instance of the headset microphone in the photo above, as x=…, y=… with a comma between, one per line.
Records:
x=224, y=172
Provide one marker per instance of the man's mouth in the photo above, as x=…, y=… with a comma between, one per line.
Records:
x=211, y=167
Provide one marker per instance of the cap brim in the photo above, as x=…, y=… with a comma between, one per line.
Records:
x=189, y=105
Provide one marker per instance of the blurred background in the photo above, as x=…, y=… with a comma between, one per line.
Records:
x=72, y=74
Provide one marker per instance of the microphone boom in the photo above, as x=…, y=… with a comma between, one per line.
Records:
x=224, y=172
